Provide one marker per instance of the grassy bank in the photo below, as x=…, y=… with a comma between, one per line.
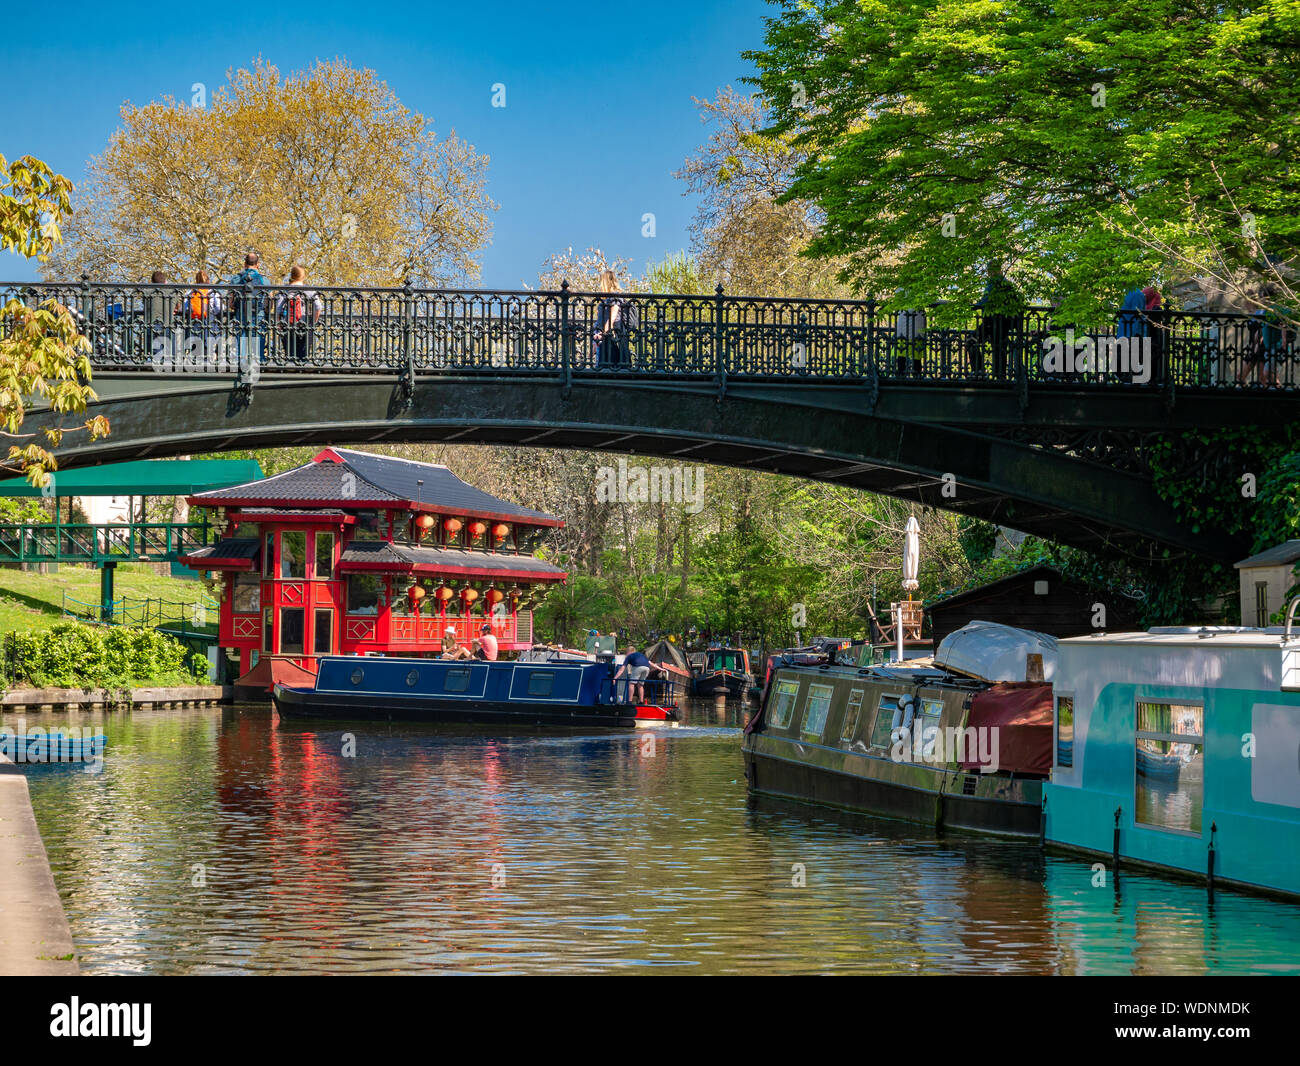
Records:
x=31, y=600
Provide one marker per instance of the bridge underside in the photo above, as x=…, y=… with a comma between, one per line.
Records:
x=1038, y=490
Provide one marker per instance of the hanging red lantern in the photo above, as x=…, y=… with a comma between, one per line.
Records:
x=499, y=532
x=414, y=595
x=452, y=526
x=495, y=596
x=468, y=596
x=423, y=523
x=444, y=593
x=477, y=529
x=515, y=593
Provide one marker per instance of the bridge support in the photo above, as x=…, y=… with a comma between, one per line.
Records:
x=106, y=591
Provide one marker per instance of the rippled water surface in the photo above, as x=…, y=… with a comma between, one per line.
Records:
x=223, y=842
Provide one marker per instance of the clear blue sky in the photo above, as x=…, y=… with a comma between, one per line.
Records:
x=598, y=95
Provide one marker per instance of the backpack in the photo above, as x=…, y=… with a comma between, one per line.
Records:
x=198, y=303
x=236, y=307
x=629, y=315
x=292, y=309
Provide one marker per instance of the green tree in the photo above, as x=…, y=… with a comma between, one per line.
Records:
x=43, y=356
x=1091, y=146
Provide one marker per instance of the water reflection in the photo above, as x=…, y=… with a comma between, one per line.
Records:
x=222, y=842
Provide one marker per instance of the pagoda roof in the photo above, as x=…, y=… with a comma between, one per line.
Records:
x=387, y=556
x=341, y=477
x=230, y=553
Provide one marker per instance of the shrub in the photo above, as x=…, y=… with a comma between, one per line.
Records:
x=73, y=655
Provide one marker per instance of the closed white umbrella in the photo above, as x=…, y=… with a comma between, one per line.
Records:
x=911, y=554
x=911, y=560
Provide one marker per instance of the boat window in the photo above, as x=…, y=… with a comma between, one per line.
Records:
x=725, y=660
x=1064, y=730
x=852, y=712
x=246, y=595
x=324, y=556
x=884, y=719
x=816, y=707
x=291, y=626
x=457, y=680
x=928, y=726
x=540, y=682
x=783, y=706
x=365, y=593
x=1170, y=780
x=293, y=554
x=323, y=636
x=369, y=526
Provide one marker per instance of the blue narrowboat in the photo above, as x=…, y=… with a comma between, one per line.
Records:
x=558, y=692
x=1178, y=749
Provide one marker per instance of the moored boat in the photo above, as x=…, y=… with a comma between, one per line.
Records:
x=923, y=743
x=726, y=672
x=1176, y=751
x=559, y=692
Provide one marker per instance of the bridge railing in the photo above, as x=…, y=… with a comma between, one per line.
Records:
x=286, y=329
x=85, y=542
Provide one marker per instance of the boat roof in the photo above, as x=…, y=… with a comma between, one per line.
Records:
x=1184, y=636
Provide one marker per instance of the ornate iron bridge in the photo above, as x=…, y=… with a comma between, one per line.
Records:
x=1042, y=426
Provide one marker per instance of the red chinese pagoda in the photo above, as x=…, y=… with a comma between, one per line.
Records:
x=360, y=554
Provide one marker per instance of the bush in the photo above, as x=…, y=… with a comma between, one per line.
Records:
x=72, y=655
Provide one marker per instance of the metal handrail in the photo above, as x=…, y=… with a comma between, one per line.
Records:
x=1290, y=617
x=145, y=328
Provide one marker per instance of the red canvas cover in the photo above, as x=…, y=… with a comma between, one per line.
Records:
x=1021, y=712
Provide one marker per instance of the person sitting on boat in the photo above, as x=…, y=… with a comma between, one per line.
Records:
x=636, y=667
x=451, y=648
x=485, y=644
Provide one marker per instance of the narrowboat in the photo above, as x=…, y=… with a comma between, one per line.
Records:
x=725, y=672
x=960, y=751
x=1178, y=750
x=558, y=692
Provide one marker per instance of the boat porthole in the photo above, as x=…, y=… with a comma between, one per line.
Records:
x=357, y=675
x=412, y=678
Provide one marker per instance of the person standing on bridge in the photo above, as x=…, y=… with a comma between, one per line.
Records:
x=613, y=319
x=247, y=310
x=1001, y=321
x=299, y=312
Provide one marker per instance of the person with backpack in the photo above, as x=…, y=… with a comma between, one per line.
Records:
x=247, y=310
x=614, y=318
x=297, y=312
x=201, y=304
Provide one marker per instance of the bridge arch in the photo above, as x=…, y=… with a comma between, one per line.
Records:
x=1048, y=493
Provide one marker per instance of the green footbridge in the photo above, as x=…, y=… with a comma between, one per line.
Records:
x=105, y=544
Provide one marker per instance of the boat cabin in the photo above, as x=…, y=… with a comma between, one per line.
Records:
x=362, y=554
x=1186, y=741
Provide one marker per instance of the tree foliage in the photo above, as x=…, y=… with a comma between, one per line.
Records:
x=1091, y=146
x=323, y=167
x=43, y=355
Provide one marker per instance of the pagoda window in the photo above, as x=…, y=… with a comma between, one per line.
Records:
x=324, y=556
x=293, y=554
x=323, y=637
x=246, y=594
x=370, y=526
x=291, y=630
x=365, y=593
x=268, y=616
x=268, y=555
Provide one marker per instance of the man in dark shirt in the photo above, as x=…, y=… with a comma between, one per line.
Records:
x=636, y=668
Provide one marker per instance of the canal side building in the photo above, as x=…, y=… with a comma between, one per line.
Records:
x=363, y=554
x=1040, y=598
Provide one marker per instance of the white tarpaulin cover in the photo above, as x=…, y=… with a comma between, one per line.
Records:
x=995, y=652
x=911, y=554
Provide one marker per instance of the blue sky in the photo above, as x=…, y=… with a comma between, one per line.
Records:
x=598, y=97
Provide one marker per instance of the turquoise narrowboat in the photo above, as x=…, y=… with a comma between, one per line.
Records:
x=1178, y=749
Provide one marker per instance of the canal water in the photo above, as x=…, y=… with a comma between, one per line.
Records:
x=221, y=841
